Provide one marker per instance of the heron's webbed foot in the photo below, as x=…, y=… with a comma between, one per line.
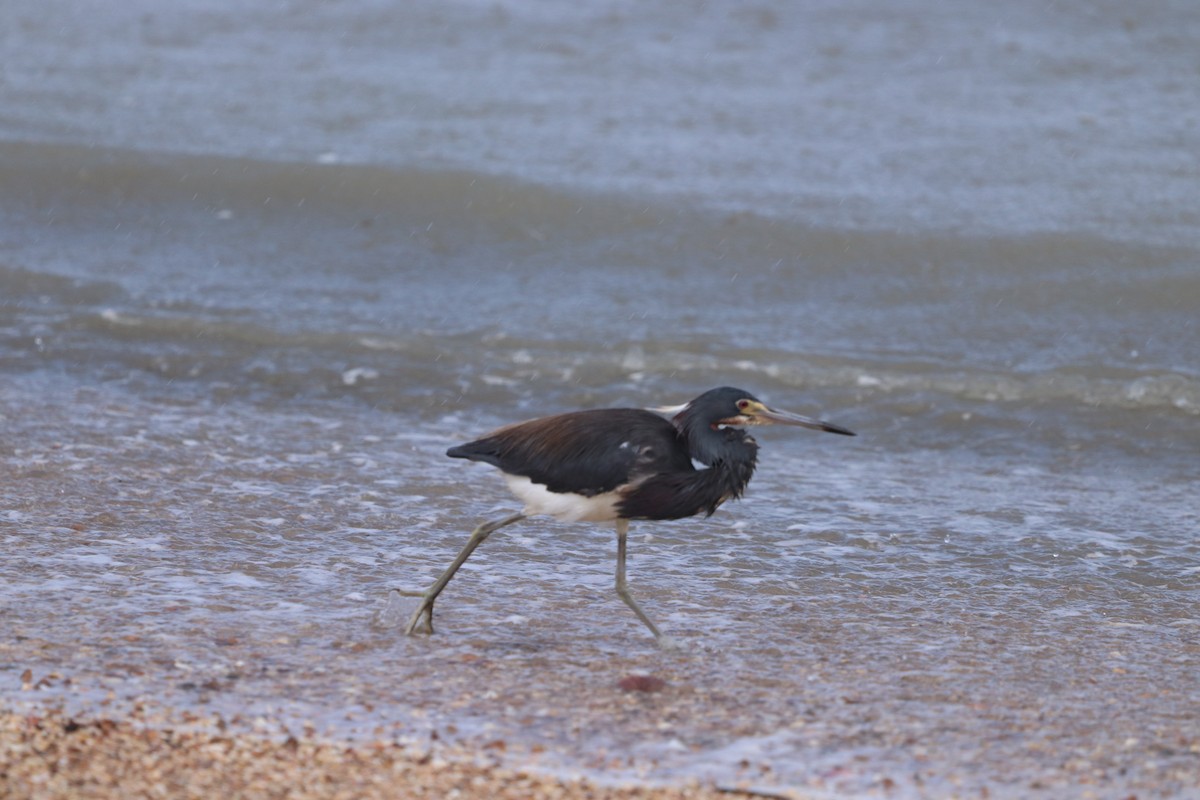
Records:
x=421, y=620
x=669, y=643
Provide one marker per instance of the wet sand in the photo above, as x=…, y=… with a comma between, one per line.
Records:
x=56, y=755
x=96, y=735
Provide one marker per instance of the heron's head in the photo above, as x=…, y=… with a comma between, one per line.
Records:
x=727, y=406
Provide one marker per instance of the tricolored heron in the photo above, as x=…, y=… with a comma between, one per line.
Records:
x=618, y=464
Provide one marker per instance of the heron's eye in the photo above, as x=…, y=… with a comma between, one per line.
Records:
x=743, y=405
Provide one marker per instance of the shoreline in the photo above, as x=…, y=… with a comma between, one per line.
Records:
x=50, y=754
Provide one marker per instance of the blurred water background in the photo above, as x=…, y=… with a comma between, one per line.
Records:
x=260, y=264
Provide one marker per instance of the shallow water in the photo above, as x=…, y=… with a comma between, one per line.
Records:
x=258, y=269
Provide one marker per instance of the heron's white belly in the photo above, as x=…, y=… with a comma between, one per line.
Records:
x=566, y=507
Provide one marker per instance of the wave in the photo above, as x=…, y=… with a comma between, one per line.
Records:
x=733, y=282
x=492, y=365
x=508, y=210
x=368, y=195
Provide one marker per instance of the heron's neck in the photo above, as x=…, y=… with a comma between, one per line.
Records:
x=713, y=446
x=730, y=455
x=732, y=474
x=675, y=495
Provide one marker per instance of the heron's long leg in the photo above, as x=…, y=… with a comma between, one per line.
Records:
x=425, y=608
x=622, y=589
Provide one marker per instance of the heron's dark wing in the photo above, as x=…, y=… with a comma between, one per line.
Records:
x=584, y=452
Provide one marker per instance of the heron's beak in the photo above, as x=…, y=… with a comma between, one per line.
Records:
x=759, y=414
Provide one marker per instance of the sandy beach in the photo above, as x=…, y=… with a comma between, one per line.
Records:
x=55, y=755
